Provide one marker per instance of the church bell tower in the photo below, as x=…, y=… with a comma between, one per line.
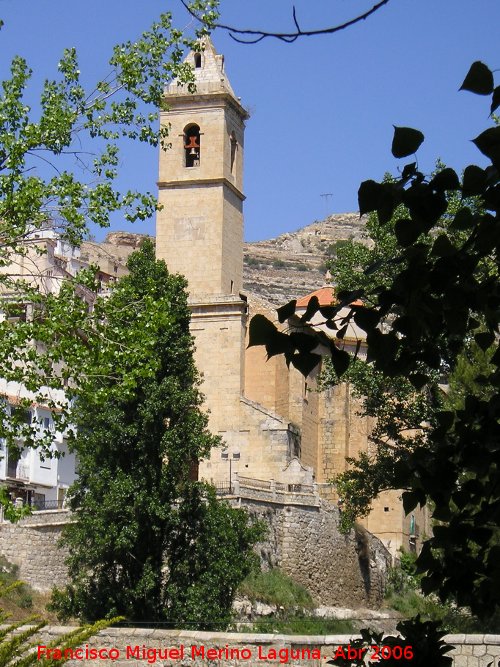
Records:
x=200, y=228
x=199, y=233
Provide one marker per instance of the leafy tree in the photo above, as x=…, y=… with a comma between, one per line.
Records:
x=148, y=543
x=59, y=164
x=403, y=414
x=445, y=291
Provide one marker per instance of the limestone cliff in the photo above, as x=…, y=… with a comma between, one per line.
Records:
x=278, y=269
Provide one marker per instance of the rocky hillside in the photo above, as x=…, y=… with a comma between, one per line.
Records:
x=293, y=264
x=277, y=270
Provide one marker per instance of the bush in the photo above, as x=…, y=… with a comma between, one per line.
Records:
x=276, y=588
x=279, y=264
x=302, y=624
x=16, y=592
x=403, y=595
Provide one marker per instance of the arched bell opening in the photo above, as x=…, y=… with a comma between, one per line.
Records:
x=192, y=146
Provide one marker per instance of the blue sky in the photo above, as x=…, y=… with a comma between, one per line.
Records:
x=322, y=109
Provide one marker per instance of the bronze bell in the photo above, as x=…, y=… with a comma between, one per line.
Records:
x=192, y=145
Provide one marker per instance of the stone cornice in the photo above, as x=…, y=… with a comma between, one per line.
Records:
x=217, y=98
x=189, y=183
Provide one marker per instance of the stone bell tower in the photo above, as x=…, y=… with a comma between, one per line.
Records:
x=200, y=229
x=199, y=232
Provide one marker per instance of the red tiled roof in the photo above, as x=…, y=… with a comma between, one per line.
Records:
x=326, y=297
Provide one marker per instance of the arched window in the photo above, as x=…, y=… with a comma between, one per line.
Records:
x=192, y=146
x=197, y=60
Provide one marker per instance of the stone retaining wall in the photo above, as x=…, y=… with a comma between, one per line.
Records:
x=138, y=646
x=32, y=545
x=303, y=540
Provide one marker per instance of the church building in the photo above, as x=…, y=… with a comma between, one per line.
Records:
x=274, y=423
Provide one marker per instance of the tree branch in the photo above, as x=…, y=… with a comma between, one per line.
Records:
x=255, y=36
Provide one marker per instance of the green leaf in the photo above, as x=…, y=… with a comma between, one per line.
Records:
x=443, y=247
x=410, y=501
x=311, y=310
x=278, y=343
x=488, y=143
x=409, y=170
x=342, y=332
x=463, y=219
x=445, y=418
x=340, y=360
x=484, y=339
x=479, y=79
x=303, y=342
x=474, y=181
x=387, y=202
x=348, y=296
x=369, y=195
x=407, y=231
x=260, y=330
x=406, y=141
x=305, y=362
x=329, y=311
x=418, y=380
x=286, y=311
x=366, y=318
x=446, y=179
x=495, y=100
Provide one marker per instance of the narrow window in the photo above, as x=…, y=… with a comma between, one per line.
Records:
x=234, y=147
x=197, y=60
x=192, y=146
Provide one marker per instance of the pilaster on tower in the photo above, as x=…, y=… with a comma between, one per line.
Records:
x=200, y=228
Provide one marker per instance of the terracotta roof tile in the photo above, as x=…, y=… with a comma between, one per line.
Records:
x=326, y=297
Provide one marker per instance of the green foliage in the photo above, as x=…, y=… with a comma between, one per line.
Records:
x=420, y=641
x=300, y=623
x=10, y=511
x=294, y=604
x=208, y=556
x=275, y=588
x=139, y=431
x=15, y=645
x=403, y=594
x=440, y=290
x=466, y=379
x=12, y=589
x=69, y=124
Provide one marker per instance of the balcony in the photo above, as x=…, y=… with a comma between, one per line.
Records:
x=18, y=470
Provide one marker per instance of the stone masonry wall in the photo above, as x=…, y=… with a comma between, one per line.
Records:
x=302, y=539
x=32, y=545
x=140, y=647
